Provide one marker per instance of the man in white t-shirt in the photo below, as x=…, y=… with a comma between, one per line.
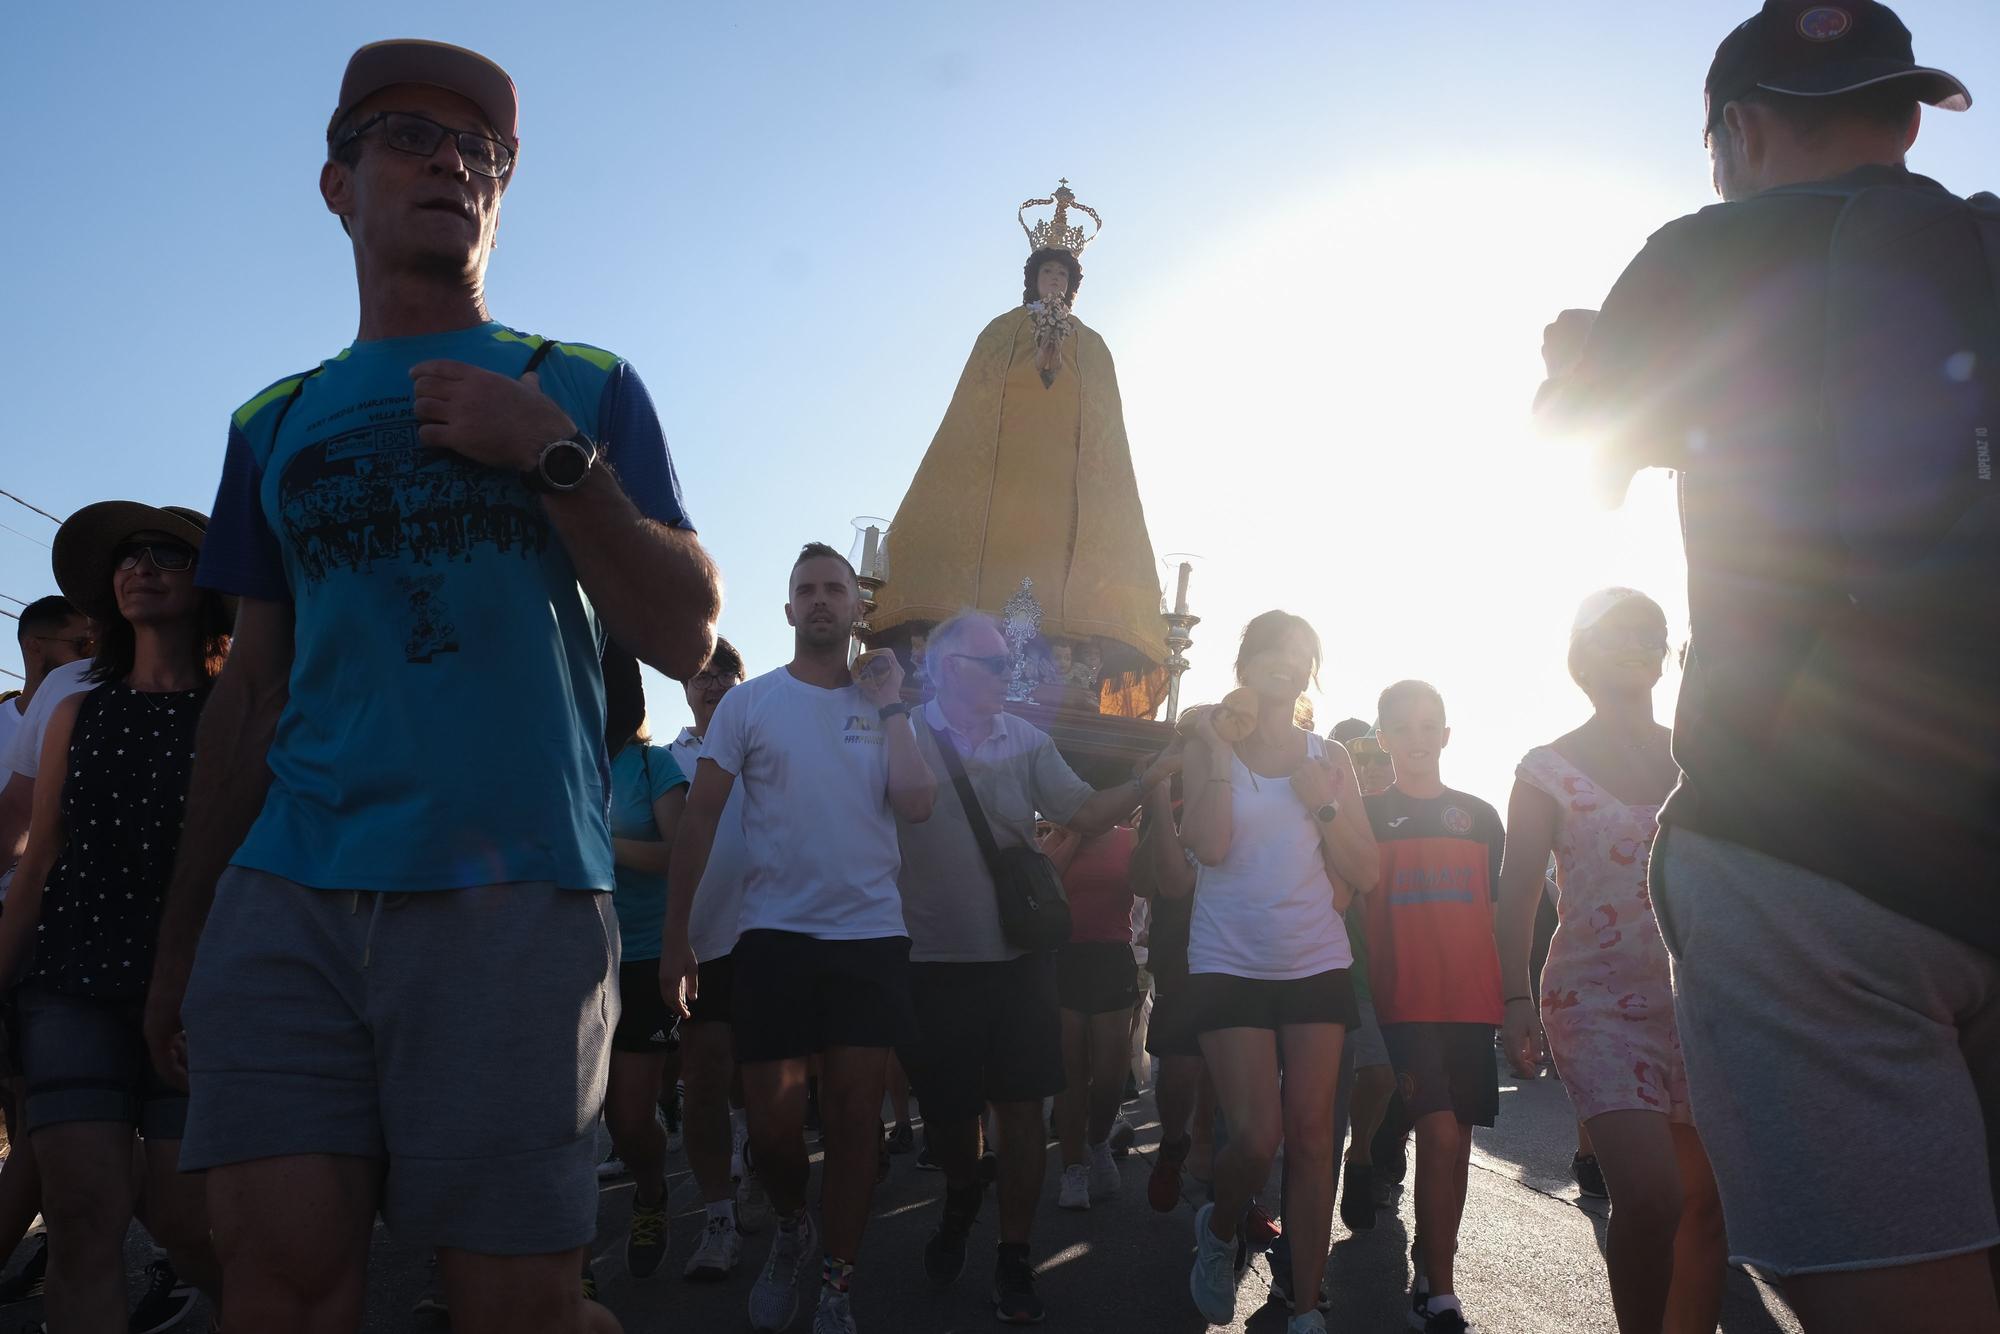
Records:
x=827, y=766
x=56, y=647
x=708, y=1049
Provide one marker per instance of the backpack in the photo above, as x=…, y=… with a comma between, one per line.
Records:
x=1899, y=701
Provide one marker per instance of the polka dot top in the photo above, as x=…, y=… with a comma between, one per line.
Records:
x=129, y=760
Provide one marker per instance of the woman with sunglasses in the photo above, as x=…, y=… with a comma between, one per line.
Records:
x=1276, y=822
x=1592, y=798
x=82, y=918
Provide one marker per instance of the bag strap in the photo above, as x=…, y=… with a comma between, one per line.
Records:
x=975, y=814
x=540, y=355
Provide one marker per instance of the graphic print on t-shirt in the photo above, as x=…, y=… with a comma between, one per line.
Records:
x=374, y=493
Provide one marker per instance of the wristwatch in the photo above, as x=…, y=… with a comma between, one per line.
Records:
x=562, y=465
x=888, y=711
x=1328, y=813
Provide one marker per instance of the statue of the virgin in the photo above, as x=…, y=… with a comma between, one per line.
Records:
x=1028, y=489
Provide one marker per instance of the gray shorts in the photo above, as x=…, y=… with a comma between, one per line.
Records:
x=1818, y=1025
x=460, y=1036
x=1365, y=1038
x=85, y=1059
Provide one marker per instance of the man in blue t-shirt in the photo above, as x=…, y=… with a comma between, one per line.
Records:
x=404, y=771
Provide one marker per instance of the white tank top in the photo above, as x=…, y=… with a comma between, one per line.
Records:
x=1267, y=911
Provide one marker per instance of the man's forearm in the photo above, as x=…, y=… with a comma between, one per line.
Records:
x=231, y=777
x=1107, y=807
x=912, y=786
x=655, y=587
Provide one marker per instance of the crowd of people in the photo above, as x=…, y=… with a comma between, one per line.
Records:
x=274, y=972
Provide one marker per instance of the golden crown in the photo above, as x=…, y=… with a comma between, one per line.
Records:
x=1055, y=232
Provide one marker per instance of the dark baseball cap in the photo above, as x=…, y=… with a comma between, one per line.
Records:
x=472, y=76
x=1816, y=50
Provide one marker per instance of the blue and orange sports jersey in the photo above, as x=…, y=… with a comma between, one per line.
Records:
x=446, y=721
x=1431, y=956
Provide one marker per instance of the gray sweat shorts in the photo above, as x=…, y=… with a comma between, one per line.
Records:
x=462, y=1037
x=1818, y=1025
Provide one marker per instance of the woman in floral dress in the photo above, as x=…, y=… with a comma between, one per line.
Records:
x=1592, y=798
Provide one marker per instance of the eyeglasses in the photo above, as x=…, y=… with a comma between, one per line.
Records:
x=419, y=136
x=995, y=664
x=707, y=680
x=164, y=555
x=84, y=644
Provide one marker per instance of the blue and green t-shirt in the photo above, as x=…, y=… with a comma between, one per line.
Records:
x=446, y=721
x=641, y=774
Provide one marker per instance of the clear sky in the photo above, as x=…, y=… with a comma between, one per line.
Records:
x=1333, y=234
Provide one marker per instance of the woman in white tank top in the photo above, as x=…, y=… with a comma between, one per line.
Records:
x=1277, y=827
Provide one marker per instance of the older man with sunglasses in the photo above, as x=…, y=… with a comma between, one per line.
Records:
x=405, y=988
x=988, y=1027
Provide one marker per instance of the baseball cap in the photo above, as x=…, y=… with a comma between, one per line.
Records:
x=472, y=76
x=1816, y=50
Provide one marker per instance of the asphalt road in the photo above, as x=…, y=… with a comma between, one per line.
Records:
x=1529, y=1260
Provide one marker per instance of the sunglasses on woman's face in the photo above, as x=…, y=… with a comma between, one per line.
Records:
x=164, y=555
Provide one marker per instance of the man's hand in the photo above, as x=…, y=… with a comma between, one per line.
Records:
x=1563, y=341
x=680, y=973
x=487, y=417
x=166, y=1039
x=1163, y=768
x=880, y=677
x=1521, y=1038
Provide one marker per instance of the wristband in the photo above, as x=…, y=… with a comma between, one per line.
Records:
x=1511, y=999
x=897, y=709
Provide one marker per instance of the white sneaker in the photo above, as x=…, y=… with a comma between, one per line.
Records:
x=1104, y=1179
x=754, y=1211
x=614, y=1166
x=1075, y=1191
x=721, y=1247
x=1309, y=1322
x=835, y=1315
x=774, y=1297
x=739, y=1136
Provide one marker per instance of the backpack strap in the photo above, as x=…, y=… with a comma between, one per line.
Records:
x=538, y=356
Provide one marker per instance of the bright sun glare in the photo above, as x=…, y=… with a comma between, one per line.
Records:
x=1335, y=414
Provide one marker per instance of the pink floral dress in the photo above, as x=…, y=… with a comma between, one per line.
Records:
x=1607, y=997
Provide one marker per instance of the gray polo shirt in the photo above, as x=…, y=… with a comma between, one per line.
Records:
x=948, y=901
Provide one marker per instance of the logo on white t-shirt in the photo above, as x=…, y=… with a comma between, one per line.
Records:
x=861, y=731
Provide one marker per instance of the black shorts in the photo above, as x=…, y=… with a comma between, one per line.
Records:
x=796, y=995
x=1096, y=976
x=986, y=1032
x=715, y=991
x=1170, y=1031
x=646, y=1024
x=1222, y=1000
x=1446, y=1068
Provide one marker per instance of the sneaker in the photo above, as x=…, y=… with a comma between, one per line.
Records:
x=1589, y=1177
x=167, y=1301
x=902, y=1139
x=1074, y=1192
x=1307, y=1322
x=646, y=1244
x=835, y=1315
x=611, y=1168
x=739, y=1143
x=1163, y=1186
x=1391, y=1151
x=924, y=1162
x=1212, y=1281
x=1014, y=1299
x=944, y=1253
x=1104, y=1178
x=28, y=1279
x=754, y=1211
x=1122, y=1136
x=1420, y=1302
x=1446, y=1319
x=1384, y=1193
x=774, y=1298
x=720, y=1248
x=1357, y=1197
x=430, y=1307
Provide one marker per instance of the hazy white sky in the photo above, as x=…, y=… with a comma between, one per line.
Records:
x=1333, y=234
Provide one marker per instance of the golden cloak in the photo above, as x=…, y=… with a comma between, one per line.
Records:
x=1024, y=480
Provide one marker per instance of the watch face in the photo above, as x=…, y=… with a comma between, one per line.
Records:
x=565, y=463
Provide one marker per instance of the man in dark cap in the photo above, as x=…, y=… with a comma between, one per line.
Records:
x=407, y=978
x=1816, y=357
